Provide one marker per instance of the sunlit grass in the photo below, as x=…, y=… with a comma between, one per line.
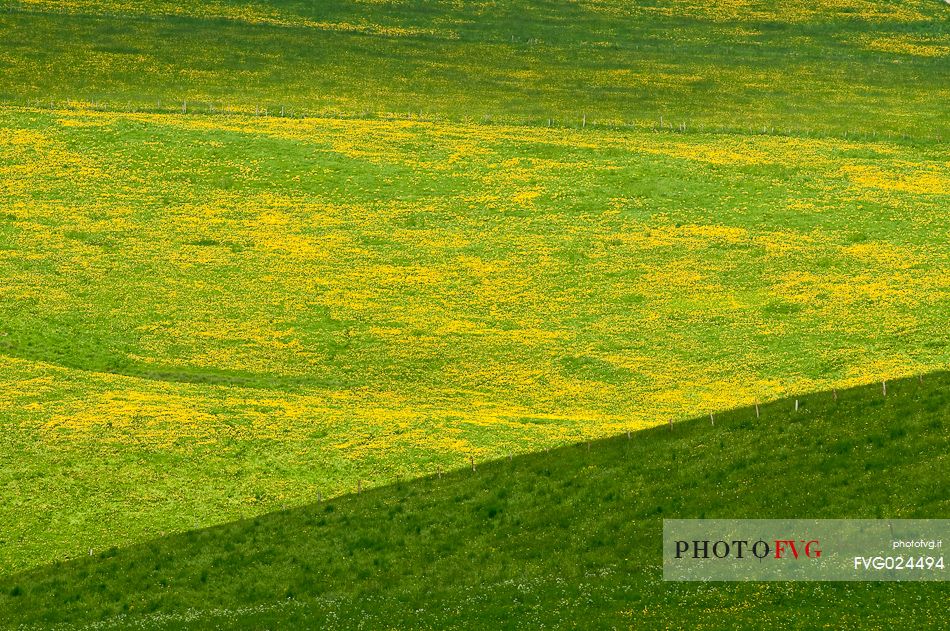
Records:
x=208, y=317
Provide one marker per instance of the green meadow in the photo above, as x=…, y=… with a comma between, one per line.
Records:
x=818, y=66
x=210, y=317
x=259, y=254
x=567, y=538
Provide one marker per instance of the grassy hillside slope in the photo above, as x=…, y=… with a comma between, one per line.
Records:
x=209, y=317
x=215, y=308
x=564, y=538
x=832, y=66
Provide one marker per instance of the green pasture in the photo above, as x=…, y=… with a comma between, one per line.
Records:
x=568, y=538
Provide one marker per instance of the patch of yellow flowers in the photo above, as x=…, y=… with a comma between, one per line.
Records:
x=490, y=308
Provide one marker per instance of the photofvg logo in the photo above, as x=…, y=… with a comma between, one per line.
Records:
x=743, y=548
x=804, y=549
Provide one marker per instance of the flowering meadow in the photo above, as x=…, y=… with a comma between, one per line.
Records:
x=211, y=316
x=855, y=67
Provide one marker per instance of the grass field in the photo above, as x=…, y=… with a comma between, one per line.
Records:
x=820, y=66
x=205, y=318
x=256, y=253
x=569, y=538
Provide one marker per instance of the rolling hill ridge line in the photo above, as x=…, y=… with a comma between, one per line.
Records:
x=503, y=535
x=662, y=125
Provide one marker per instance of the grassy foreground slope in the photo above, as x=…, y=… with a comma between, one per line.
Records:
x=566, y=538
x=833, y=66
x=204, y=318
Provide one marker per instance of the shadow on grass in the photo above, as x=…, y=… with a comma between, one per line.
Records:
x=537, y=539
